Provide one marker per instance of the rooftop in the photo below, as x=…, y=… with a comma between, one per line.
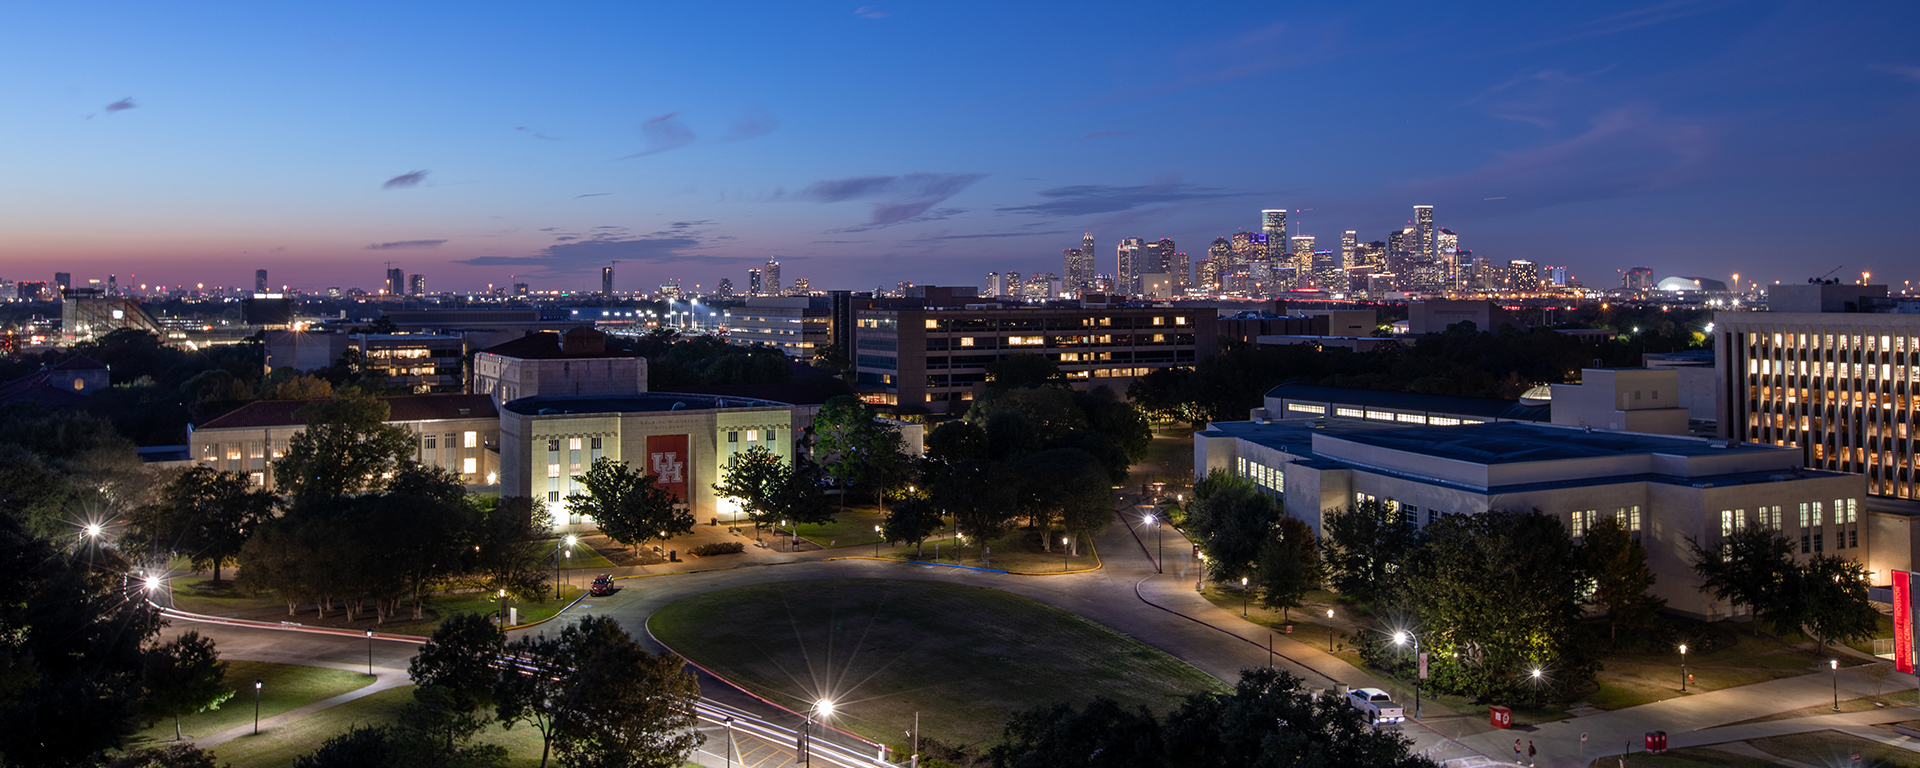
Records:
x=576, y=344
x=1484, y=407
x=1514, y=442
x=281, y=413
x=645, y=402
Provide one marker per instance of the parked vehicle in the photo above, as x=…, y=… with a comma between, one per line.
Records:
x=1378, y=706
x=602, y=585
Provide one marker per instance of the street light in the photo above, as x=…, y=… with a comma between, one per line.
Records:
x=822, y=708
x=729, y=722
x=1683, y=667
x=1243, y=597
x=369, y=653
x=876, y=541
x=1159, y=547
x=1329, y=630
x=1400, y=638
x=256, y=706
x=1063, y=554
x=1835, y=664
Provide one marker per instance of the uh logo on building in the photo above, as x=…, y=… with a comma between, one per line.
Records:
x=668, y=467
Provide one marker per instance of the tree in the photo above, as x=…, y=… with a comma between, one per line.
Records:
x=347, y=446
x=459, y=659
x=1270, y=719
x=205, y=515
x=754, y=478
x=912, y=519
x=1616, y=566
x=1834, y=592
x=1231, y=520
x=370, y=746
x=837, y=432
x=1497, y=596
x=979, y=497
x=183, y=677
x=420, y=528
x=174, y=756
x=1022, y=370
x=628, y=505
x=1288, y=566
x=506, y=554
x=1753, y=567
x=1065, y=485
x=1366, y=549
x=599, y=699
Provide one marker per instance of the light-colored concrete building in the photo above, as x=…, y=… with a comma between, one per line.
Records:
x=548, y=443
x=1666, y=489
x=459, y=433
x=796, y=325
x=1293, y=401
x=421, y=362
x=573, y=363
x=1645, y=400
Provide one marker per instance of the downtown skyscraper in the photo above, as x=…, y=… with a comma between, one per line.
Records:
x=1079, y=266
x=770, y=276
x=1273, y=224
x=1129, y=257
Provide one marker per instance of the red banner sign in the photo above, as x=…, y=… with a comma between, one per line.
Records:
x=1903, y=621
x=667, y=462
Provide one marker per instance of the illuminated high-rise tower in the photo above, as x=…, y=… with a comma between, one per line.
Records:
x=1221, y=253
x=396, y=281
x=1349, y=242
x=1079, y=265
x=1129, y=257
x=755, y=287
x=606, y=282
x=259, y=281
x=771, y=274
x=1273, y=224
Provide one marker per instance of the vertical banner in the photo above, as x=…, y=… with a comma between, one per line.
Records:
x=1423, y=665
x=1903, y=621
x=667, y=462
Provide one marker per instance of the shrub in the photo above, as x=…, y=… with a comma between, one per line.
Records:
x=718, y=548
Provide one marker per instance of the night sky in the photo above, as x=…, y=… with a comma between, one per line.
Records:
x=934, y=142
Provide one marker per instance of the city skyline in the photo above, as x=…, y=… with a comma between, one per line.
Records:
x=848, y=145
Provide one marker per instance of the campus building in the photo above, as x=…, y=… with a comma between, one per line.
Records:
x=934, y=360
x=548, y=443
x=458, y=433
x=573, y=363
x=1665, y=489
x=796, y=325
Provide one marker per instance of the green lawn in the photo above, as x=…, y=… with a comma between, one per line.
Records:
x=1692, y=757
x=1721, y=655
x=881, y=650
x=1017, y=551
x=850, y=528
x=279, y=746
x=1836, y=748
x=197, y=595
x=1889, y=698
x=286, y=687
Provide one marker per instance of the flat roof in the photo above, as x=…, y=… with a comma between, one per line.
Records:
x=1515, y=442
x=645, y=402
x=1413, y=401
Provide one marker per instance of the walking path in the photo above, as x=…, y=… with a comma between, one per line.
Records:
x=385, y=678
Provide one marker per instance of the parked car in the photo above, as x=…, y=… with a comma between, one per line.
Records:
x=602, y=585
x=1378, y=706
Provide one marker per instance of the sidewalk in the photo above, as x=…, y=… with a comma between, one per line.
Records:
x=385, y=678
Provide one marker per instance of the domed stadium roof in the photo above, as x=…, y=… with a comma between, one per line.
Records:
x=1539, y=395
x=1690, y=284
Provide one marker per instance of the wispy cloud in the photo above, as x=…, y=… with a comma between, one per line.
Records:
x=662, y=133
x=405, y=180
x=1254, y=52
x=1908, y=72
x=1103, y=134
x=1088, y=199
x=592, y=194
x=870, y=12
x=1624, y=151
x=399, y=244
x=991, y=235
x=121, y=105
x=756, y=123
x=537, y=134
x=1626, y=21
x=895, y=199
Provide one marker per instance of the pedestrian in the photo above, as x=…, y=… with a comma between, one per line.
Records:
x=1516, y=751
x=1531, y=753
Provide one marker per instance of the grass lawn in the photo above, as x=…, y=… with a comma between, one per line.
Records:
x=850, y=528
x=287, y=686
x=1719, y=656
x=586, y=559
x=1836, y=748
x=1891, y=698
x=1019, y=551
x=197, y=595
x=881, y=650
x=1691, y=757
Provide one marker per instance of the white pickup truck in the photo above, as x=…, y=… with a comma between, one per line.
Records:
x=1377, y=705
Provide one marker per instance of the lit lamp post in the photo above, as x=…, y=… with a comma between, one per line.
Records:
x=1683, y=667
x=1401, y=638
x=1329, y=630
x=876, y=541
x=503, y=609
x=369, y=653
x=1835, y=665
x=256, y=706
x=1243, y=597
x=1159, y=549
x=1063, y=554
x=729, y=722
x=824, y=709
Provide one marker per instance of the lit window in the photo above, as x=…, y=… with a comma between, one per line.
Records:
x=472, y=440
x=469, y=466
x=753, y=435
x=966, y=341
x=573, y=443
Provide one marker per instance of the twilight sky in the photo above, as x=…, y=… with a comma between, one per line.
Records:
x=196, y=142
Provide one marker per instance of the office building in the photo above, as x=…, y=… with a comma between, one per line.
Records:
x=1349, y=250
x=1637, y=279
x=1079, y=266
x=1832, y=371
x=1447, y=247
x=796, y=325
x=260, y=281
x=396, y=282
x=1423, y=233
x=416, y=285
x=63, y=280
x=771, y=277
x=725, y=289
x=574, y=363
x=1130, y=257
x=996, y=286
x=754, y=284
x=1273, y=225
x=1523, y=276
x=606, y=281
x=933, y=359
x=801, y=287
x=1182, y=271
x=1207, y=276
x=1668, y=491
